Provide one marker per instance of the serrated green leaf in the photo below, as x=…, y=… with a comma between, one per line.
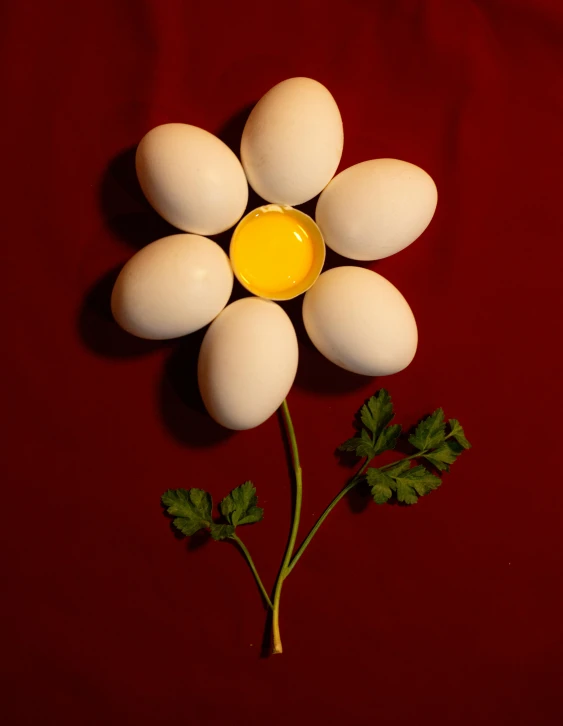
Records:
x=377, y=412
x=457, y=432
x=444, y=455
x=430, y=432
x=239, y=507
x=376, y=476
x=365, y=447
x=188, y=526
x=221, y=531
x=415, y=482
x=398, y=468
x=405, y=492
x=381, y=493
x=377, y=436
x=381, y=485
x=387, y=439
x=351, y=444
x=253, y=514
x=361, y=445
x=191, y=507
x=407, y=482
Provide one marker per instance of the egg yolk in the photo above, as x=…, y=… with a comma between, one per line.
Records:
x=272, y=251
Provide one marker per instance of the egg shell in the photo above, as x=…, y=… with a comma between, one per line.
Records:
x=172, y=287
x=247, y=363
x=376, y=208
x=292, y=142
x=191, y=178
x=360, y=321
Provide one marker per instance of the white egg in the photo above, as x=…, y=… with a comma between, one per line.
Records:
x=247, y=363
x=376, y=208
x=191, y=178
x=172, y=287
x=292, y=142
x=360, y=321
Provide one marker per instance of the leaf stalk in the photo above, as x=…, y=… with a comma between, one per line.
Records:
x=284, y=570
x=252, y=566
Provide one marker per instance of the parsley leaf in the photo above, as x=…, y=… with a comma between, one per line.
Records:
x=377, y=436
x=377, y=412
x=399, y=468
x=458, y=433
x=381, y=484
x=408, y=483
x=362, y=445
x=191, y=507
x=415, y=482
x=239, y=507
x=430, y=432
x=444, y=455
x=387, y=439
x=222, y=531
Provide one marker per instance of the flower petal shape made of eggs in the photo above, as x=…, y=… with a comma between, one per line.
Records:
x=172, y=287
x=191, y=178
x=376, y=208
x=292, y=142
x=247, y=363
x=360, y=321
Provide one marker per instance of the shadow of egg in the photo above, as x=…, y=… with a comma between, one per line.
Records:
x=316, y=373
x=125, y=210
x=230, y=132
x=309, y=207
x=98, y=330
x=181, y=405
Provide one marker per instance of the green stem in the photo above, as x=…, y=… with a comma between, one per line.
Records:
x=252, y=566
x=352, y=483
x=406, y=458
x=284, y=571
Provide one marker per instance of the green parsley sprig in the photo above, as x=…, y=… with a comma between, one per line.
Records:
x=192, y=511
x=437, y=444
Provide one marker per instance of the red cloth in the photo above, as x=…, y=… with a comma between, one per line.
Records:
x=447, y=612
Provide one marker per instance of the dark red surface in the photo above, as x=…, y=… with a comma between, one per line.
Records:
x=447, y=612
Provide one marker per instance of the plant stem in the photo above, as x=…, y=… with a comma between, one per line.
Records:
x=276, y=640
x=351, y=484
x=405, y=458
x=252, y=566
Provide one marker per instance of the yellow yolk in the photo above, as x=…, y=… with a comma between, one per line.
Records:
x=272, y=251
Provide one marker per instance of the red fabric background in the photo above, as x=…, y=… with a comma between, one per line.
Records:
x=447, y=612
